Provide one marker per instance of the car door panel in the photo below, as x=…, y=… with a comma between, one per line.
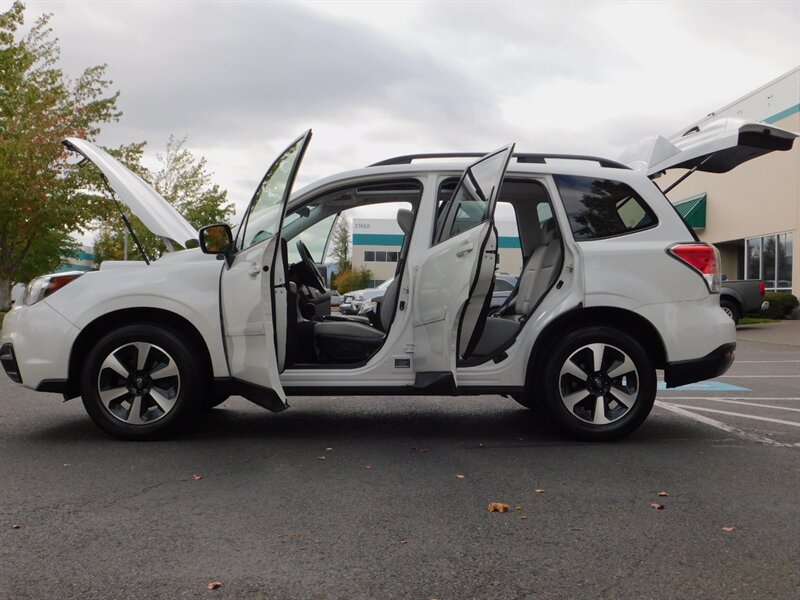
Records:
x=253, y=294
x=453, y=272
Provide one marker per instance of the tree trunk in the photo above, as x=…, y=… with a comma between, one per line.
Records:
x=5, y=295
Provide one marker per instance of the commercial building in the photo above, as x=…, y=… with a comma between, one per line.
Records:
x=752, y=214
x=377, y=242
x=82, y=260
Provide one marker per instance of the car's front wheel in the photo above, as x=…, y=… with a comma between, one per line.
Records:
x=599, y=383
x=139, y=382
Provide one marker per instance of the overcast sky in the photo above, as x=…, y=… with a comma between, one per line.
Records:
x=377, y=79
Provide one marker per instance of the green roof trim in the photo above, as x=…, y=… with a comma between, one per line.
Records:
x=693, y=211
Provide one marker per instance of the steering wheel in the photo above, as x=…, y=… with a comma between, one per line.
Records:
x=312, y=273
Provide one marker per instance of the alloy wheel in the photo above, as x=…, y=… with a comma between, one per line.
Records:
x=139, y=383
x=598, y=384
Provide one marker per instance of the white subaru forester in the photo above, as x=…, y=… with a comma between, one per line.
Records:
x=614, y=286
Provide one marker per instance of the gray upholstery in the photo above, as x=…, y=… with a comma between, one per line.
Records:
x=536, y=274
x=405, y=219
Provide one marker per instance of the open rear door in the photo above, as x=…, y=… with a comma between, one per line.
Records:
x=454, y=278
x=252, y=288
x=714, y=146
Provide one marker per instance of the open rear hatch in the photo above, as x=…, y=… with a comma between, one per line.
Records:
x=714, y=146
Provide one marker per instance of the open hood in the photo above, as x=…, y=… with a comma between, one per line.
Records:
x=158, y=215
x=715, y=146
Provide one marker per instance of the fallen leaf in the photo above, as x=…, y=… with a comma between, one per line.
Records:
x=518, y=507
x=403, y=541
x=729, y=529
x=663, y=494
x=481, y=445
x=459, y=477
x=197, y=477
x=16, y=526
x=328, y=449
x=539, y=491
x=368, y=467
x=213, y=585
x=66, y=465
x=523, y=518
x=576, y=528
x=657, y=506
x=320, y=458
x=498, y=507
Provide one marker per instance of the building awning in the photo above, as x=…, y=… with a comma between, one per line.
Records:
x=693, y=211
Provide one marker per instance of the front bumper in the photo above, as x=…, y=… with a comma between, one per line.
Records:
x=35, y=344
x=711, y=365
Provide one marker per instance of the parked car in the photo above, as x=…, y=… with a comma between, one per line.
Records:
x=353, y=301
x=336, y=298
x=739, y=297
x=504, y=285
x=614, y=285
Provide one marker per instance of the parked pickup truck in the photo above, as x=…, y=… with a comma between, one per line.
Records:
x=738, y=298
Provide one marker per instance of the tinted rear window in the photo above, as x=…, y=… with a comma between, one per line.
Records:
x=601, y=208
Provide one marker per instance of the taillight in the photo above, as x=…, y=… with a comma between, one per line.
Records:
x=762, y=288
x=703, y=258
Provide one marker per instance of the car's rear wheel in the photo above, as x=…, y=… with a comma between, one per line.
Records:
x=139, y=382
x=731, y=309
x=599, y=383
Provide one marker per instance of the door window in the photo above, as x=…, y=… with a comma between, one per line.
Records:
x=263, y=219
x=475, y=196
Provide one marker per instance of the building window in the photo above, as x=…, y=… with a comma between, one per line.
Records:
x=380, y=256
x=769, y=258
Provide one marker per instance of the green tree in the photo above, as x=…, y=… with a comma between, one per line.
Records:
x=39, y=106
x=340, y=245
x=183, y=181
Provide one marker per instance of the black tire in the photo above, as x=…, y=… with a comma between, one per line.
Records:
x=626, y=391
x=212, y=400
x=731, y=308
x=528, y=400
x=124, y=394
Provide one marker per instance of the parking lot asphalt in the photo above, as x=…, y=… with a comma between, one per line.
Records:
x=387, y=498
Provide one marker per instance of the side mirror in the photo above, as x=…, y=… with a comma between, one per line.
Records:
x=217, y=239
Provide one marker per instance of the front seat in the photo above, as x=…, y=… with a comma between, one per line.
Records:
x=346, y=341
x=405, y=219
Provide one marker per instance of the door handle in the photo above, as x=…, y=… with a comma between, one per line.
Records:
x=255, y=269
x=464, y=250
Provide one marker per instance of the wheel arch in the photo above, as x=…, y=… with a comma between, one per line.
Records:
x=95, y=330
x=624, y=320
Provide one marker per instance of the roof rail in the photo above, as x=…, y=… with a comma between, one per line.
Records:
x=407, y=159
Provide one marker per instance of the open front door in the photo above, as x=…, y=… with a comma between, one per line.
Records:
x=455, y=277
x=253, y=286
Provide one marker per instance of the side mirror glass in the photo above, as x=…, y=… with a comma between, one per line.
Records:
x=216, y=239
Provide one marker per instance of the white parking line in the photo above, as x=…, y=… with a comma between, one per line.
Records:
x=760, y=376
x=740, y=415
x=745, y=435
x=772, y=398
x=739, y=362
x=730, y=401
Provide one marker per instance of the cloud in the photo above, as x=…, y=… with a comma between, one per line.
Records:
x=241, y=79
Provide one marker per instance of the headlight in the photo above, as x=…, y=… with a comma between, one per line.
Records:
x=368, y=307
x=359, y=297
x=42, y=287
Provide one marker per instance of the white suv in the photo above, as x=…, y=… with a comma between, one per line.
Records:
x=613, y=286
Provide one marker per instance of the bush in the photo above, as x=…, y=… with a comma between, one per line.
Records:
x=350, y=280
x=780, y=305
